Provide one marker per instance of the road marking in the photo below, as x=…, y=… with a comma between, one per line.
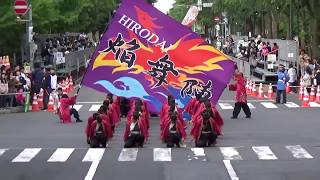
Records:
x=225, y=106
x=197, y=154
x=162, y=154
x=231, y=172
x=299, y=152
x=77, y=107
x=94, y=108
x=61, y=155
x=314, y=104
x=128, y=154
x=264, y=152
x=2, y=151
x=230, y=153
x=27, y=155
x=291, y=105
x=269, y=105
x=251, y=106
x=94, y=156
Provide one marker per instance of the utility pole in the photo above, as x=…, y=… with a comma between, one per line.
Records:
x=290, y=19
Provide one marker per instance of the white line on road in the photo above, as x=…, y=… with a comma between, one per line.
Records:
x=230, y=153
x=162, y=154
x=61, y=155
x=314, y=104
x=94, y=156
x=198, y=151
x=230, y=170
x=77, y=107
x=264, y=152
x=225, y=106
x=94, y=108
x=128, y=154
x=269, y=105
x=27, y=155
x=2, y=151
x=291, y=105
x=299, y=152
x=251, y=106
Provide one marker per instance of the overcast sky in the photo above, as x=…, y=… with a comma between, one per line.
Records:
x=164, y=5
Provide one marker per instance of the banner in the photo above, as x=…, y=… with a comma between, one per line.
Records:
x=191, y=16
x=146, y=54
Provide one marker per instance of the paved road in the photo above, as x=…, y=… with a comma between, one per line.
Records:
x=280, y=143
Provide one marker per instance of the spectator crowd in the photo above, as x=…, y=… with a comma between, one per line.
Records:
x=64, y=44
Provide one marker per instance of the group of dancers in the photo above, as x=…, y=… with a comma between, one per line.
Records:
x=205, y=120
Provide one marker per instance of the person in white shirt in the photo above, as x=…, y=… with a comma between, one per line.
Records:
x=292, y=73
x=53, y=80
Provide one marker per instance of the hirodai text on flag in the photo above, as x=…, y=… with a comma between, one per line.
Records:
x=146, y=54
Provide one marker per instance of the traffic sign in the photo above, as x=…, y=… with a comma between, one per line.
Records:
x=216, y=18
x=21, y=7
x=207, y=4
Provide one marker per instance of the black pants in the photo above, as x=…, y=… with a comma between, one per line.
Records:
x=293, y=89
x=45, y=99
x=284, y=96
x=134, y=140
x=124, y=107
x=75, y=113
x=206, y=140
x=237, y=109
x=173, y=139
x=98, y=140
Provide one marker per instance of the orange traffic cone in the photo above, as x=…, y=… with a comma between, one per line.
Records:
x=288, y=89
x=247, y=87
x=64, y=90
x=67, y=86
x=51, y=107
x=270, y=92
x=7, y=62
x=260, y=93
x=305, y=102
x=35, y=106
x=254, y=90
x=250, y=87
x=71, y=84
x=312, y=95
x=40, y=99
x=318, y=95
x=301, y=92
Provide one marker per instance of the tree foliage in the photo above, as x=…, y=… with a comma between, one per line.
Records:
x=269, y=18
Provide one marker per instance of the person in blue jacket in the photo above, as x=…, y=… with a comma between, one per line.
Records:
x=281, y=85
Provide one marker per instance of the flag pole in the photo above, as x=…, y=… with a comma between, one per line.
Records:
x=90, y=62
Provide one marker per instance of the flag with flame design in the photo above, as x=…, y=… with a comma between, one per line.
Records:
x=146, y=54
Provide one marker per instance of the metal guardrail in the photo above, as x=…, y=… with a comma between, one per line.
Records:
x=12, y=96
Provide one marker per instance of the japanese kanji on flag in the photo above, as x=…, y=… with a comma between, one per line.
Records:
x=146, y=54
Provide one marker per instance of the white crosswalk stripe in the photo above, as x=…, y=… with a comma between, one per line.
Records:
x=2, y=151
x=128, y=154
x=291, y=105
x=94, y=108
x=314, y=104
x=27, y=155
x=61, y=155
x=162, y=154
x=251, y=106
x=225, y=106
x=94, y=156
x=299, y=152
x=269, y=105
x=264, y=152
x=77, y=107
x=230, y=153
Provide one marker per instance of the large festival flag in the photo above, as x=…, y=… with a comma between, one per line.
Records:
x=146, y=54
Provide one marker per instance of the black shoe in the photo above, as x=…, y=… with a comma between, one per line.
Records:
x=78, y=120
x=248, y=117
x=234, y=117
